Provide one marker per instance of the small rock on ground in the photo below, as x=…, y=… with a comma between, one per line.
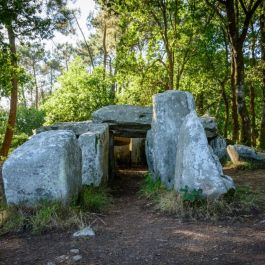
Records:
x=87, y=231
x=77, y=258
x=74, y=251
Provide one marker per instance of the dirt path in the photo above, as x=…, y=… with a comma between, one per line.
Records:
x=135, y=234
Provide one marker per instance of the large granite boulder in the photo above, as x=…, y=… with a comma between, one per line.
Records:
x=169, y=110
x=239, y=153
x=95, y=155
x=149, y=153
x=77, y=128
x=125, y=120
x=46, y=167
x=123, y=114
x=210, y=126
x=219, y=145
x=196, y=165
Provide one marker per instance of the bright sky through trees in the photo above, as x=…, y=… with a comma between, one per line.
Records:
x=85, y=7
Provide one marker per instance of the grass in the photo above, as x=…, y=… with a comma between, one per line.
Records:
x=54, y=215
x=240, y=204
x=94, y=199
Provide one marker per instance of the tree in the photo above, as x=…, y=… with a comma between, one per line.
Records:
x=262, y=46
x=31, y=56
x=237, y=15
x=24, y=19
x=79, y=94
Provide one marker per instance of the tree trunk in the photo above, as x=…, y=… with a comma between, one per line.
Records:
x=105, y=52
x=170, y=69
x=14, y=96
x=200, y=103
x=252, y=91
x=262, y=42
x=235, y=131
x=245, y=135
x=226, y=111
x=253, y=115
x=36, y=87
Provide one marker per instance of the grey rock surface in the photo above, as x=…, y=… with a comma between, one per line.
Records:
x=74, y=251
x=123, y=114
x=149, y=152
x=196, y=165
x=77, y=258
x=210, y=126
x=169, y=110
x=77, y=128
x=249, y=152
x=48, y=166
x=233, y=154
x=87, y=231
x=239, y=153
x=95, y=155
x=219, y=145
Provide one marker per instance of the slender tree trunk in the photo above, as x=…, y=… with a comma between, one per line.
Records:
x=245, y=135
x=105, y=52
x=171, y=70
x=14, y=96
x=36, y=87
x=226, y=102
x=84, y=38
x=252, y=91
x=235, y=131
x=253, y=115
x=200, y=103
x=262, y=29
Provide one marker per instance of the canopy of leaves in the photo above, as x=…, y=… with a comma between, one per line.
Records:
x=78, y=95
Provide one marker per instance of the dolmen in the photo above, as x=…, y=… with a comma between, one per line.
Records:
x=59, y=159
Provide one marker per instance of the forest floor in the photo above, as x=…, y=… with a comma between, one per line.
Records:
x=132, y=232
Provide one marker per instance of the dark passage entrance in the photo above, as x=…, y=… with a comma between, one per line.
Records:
x=127, y=158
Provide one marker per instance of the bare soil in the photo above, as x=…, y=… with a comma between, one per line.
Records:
x=131, y=232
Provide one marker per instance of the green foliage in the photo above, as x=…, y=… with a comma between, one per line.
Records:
x=19, y=139
x=151, y=188
x=93, y=199
x=3, y=121
x=28, y=119
x=79, y=94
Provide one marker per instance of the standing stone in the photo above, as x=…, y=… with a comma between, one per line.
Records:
x=239, y=153
x=210, y=126
x=123, y=114
x=48, y=166
x=233, y=154
x=169, y=110
x=137, y=146
x=196, y=165
x=218, y=145
x=149, y=153
x=95, y=155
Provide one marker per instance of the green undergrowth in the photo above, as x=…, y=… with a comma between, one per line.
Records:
x=187, y=204
x=54, y=215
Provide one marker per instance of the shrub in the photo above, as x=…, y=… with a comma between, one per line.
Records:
x=28, y=119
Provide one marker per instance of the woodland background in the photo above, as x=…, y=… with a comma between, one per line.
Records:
x=213, y=48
